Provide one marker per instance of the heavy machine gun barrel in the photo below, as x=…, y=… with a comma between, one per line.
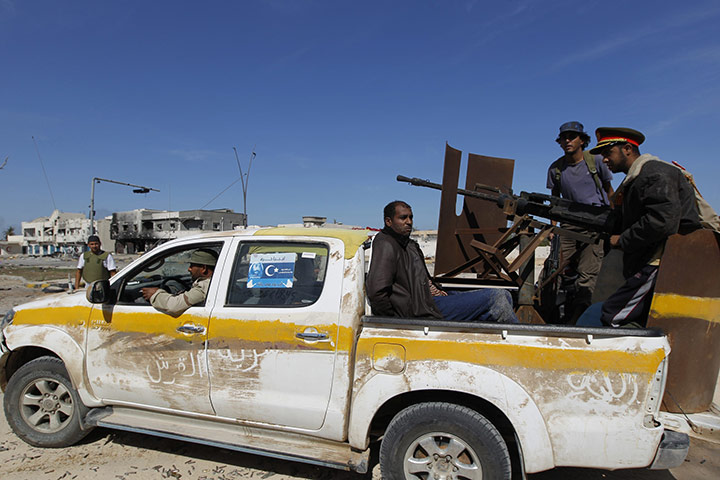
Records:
x=590, y=217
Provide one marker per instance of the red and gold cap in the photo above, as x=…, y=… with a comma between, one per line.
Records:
x=612, y=135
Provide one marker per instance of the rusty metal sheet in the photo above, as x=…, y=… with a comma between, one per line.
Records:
x=685, y=305
x=455, y=232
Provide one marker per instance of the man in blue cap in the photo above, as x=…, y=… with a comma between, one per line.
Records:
x=579, y=177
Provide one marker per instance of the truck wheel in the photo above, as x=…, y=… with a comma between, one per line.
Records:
x=41, y=405
x=442, y=441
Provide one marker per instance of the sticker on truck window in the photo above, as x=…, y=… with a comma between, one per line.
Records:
x=271, y=270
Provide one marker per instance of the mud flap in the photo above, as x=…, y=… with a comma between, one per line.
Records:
x=672, y=451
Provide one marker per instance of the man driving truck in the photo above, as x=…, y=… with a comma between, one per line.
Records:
x=202, y=266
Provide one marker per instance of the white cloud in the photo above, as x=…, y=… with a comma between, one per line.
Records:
x=661, y=27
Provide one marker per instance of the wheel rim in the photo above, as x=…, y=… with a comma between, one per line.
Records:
x=46, y=405
x=441, y=456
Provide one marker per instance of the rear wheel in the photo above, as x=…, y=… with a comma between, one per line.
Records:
x=443, y=441
x=41, y=405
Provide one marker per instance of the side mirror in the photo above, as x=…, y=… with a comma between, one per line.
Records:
x=99, y=291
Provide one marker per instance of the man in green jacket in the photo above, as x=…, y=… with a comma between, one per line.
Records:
x=95, y=264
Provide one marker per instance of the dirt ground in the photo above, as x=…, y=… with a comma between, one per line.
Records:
x=109, y=454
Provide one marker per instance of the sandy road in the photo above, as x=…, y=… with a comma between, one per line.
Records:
x=109, y=454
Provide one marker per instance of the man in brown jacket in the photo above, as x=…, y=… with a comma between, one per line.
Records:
x=399, y=285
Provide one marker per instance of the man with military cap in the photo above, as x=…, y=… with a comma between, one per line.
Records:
x=202, y=266
x=654, y=201
x=95, y=264
x=579, y=177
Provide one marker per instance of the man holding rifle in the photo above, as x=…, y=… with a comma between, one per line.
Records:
x=579, y=177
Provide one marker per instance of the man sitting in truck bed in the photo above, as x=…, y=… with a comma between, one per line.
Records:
x=399, y=284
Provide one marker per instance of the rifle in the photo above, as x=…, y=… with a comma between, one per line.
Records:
x=594, y=218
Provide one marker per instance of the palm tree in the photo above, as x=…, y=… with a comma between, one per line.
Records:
x=9, y=231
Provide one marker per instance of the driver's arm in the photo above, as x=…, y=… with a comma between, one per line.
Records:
x=173, y=305
x=148, y=292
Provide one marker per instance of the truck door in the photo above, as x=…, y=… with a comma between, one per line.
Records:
x=273, y=334
x=140, y=356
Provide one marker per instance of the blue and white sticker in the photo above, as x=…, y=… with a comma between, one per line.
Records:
x=271, y=270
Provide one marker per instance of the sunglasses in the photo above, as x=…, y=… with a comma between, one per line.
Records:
x=569, y=135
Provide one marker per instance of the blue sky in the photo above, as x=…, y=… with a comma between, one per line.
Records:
x=338, y=97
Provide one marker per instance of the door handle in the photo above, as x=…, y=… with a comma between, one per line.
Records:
x=191, y=328
x=311, y=335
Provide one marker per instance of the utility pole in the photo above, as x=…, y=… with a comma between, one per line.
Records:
x=244, y=179
x=137, y=189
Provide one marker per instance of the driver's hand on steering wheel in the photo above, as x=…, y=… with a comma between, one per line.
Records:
x=148, y=292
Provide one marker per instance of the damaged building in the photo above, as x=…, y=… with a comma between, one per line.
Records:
x=141, y=230
x=62, y=233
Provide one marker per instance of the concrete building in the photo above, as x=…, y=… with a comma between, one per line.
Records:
x=12, y=245
x=427, y=239
x=316, y=221
x=62, y=232
x=141, y=230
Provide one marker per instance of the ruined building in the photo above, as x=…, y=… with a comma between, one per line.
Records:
x=141, y=230
x=62, y=233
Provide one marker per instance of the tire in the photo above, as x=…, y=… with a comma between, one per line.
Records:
x=431, y=441
x=41, y=405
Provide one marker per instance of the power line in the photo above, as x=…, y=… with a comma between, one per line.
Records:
x=244, y=178
x=44, y=173
x=216, y=196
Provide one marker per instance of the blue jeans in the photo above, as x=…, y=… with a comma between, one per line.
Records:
x=591, y=316
x=483, y=305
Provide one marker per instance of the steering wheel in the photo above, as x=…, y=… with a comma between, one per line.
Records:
x=173, y=285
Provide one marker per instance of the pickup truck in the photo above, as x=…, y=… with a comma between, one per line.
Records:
x=283, y=360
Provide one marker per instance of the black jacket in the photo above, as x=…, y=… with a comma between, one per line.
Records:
x=656, y=203
x=397, y=282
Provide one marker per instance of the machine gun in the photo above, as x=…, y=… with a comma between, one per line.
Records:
x=494, y=262
x=588, y=217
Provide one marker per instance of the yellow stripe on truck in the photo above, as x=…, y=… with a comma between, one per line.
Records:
x=528, y=356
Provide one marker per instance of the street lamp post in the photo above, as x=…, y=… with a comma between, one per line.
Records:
x=244, y=179
x=137, y=189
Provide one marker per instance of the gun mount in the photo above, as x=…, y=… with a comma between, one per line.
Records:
x=476, y=247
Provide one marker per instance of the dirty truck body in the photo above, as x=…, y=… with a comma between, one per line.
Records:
x=281, y=360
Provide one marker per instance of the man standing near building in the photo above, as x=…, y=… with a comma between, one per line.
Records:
x=654, y=201
x=202, y=266
x=95, y=264
x=579, y=177
x=399, y=285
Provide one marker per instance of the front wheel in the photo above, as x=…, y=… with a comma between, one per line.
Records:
x=41, y=405
x=442, y=441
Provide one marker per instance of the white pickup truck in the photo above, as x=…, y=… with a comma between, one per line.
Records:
x=282, y=360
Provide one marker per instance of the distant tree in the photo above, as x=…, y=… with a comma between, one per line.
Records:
x=9, y=231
